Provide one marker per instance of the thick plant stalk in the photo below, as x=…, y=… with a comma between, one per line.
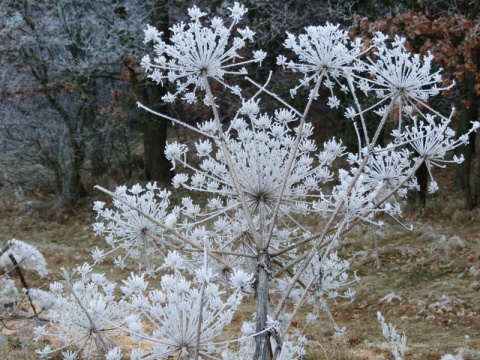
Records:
x=263, y=349
x=262, y=342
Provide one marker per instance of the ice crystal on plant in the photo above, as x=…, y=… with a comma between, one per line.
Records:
x=431, y=141
x=322, y=48
x=114, y=354
x=127, y=227
x=260, y=147
x=184, y=313
x=330, y=276
x=26, y=255
x=398, y=343
x=8, y=291
x=386, y=170
x=196, y=51
x=397, y=74
x=83, y=314
x=291, y=348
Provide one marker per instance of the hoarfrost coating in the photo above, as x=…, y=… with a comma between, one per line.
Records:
x=265, y=179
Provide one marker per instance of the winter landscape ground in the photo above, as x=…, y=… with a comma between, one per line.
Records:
x=428, y=282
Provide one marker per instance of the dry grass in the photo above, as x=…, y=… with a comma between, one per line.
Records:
x=434, y=271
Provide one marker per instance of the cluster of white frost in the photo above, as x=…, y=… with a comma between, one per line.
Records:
x=128, y=229
x=27, y=257
x=196, y=50
x=84, y=313
x=264, y=175
x=397, y=342
x=8, y=290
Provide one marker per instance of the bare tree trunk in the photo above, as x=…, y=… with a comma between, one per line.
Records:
x=468, y=113
x=476, y=187
x=68, y=169
x=418, y=199
x=71, y=191
x=102, y=149
x=157, y=167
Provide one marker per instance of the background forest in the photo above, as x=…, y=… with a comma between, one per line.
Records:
x=72, y=75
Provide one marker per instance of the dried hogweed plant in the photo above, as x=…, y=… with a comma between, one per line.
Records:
x=264, y=177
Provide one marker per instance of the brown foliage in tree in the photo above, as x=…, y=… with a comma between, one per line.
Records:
x=453, y=40
x=450, y=31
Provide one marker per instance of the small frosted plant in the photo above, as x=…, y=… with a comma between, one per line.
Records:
x=16, y=256
x=398, y=343
x=25, y=255
x=264, y=177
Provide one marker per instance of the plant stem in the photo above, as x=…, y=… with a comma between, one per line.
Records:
x=293, y=154
x=231, y=167
x=22, y=280
x=263, y=350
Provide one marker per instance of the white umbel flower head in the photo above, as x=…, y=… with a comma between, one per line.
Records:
x=432, y=140
x=322, y=48
x=398, y=74
x=196, y=51
x=260, y=150
x=128, y=229
x=330, y=276
x=184, y=314
x=83, y=314
x=385, y=170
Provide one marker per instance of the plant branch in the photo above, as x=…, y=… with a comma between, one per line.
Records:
x=231, y=167
x=165, y=227
x=24, y=283
x=293, y=154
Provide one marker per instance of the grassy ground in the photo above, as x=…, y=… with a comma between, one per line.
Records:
x=428, y=283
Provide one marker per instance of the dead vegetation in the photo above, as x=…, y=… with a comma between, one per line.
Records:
x=428, y=283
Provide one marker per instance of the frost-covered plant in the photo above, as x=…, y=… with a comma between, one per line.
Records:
x=265, y=178
x=8, y=290
x=27, y=256
x=184, y=316
x=16, y=256
x=398, y=343
x=84, y=314
x=128, y=229
x=185, y=63
x=293, y=348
